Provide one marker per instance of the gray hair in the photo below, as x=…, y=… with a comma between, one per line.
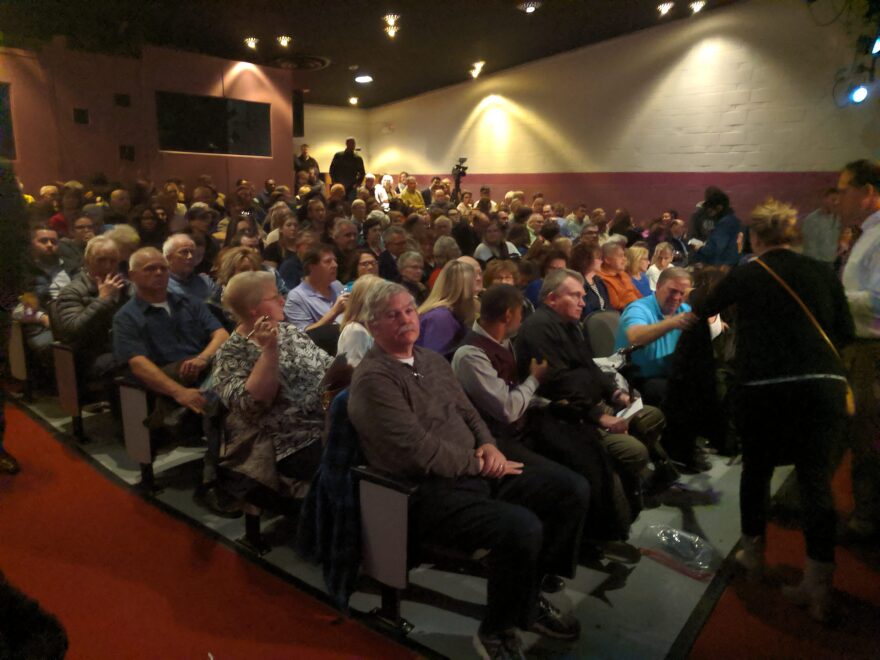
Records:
x=610, y=246
x=342, y=222
x=409, y=256
x=674, y=273
x=171, y=242
x=554, y=280
x=446, y=249
x=136, y=260
x=395, y=230
x=378, y=299
x=245, y=291
x=378, y=215
x=99, y=243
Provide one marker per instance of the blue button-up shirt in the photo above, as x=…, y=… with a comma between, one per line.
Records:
x=197, y=285
x=861, y=279
x=653, y=359
x=306, y=306
x=142, y=329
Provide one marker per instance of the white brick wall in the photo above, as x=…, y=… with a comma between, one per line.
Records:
x=742, y=88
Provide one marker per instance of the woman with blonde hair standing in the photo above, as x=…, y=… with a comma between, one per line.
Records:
x=450, y=309
x=791, y=391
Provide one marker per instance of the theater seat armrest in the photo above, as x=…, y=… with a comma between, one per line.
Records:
x=130, y=381
x=385, y=479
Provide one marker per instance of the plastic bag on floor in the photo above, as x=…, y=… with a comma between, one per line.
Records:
x=682, y=551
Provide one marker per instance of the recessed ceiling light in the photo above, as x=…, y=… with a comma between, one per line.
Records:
x=391, y=19
x=697, y=6
x=363, y=80
x=529, y=7
x=284, y=40
x=251, y=42
x=391, y=30
x=477, y=68
x=353, y=100
x=665, y=7
x=353, y=67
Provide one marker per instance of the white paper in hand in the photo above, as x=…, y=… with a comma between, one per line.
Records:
x=633, y=408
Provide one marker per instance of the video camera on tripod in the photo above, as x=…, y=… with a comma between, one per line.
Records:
x=459, y=171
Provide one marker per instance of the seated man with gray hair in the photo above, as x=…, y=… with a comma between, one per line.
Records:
x=581, y=391
x=414, y=420
x=168, y=340
x=180, y=252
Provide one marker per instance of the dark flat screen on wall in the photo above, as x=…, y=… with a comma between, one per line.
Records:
x=7, y=139
x=208, y=124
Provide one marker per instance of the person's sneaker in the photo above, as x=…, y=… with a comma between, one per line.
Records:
x=504, y=645
x=552, y=622
x=8, y=463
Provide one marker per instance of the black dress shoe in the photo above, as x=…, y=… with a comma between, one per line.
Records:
x=8, y=463
x=213, y=498
x=664, y=476
x=552, y=584
x=552, y=622
x=698, y=462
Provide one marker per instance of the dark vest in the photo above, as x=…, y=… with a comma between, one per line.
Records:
x=501, y=358
x=504, y=362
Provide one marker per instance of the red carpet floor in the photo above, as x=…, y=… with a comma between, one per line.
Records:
x=128, y=581
x=754, y=621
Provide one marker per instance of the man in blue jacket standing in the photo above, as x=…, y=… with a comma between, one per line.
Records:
x=722, y=246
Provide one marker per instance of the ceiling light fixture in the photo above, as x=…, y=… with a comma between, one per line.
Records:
x=477, y=68
x=391, y=19
x=697, y=6
x=353, y=100
x=391, y=30
x=251, y=42
x=665, y=7
x=363, y=80
x=875, y=49
x=284, y=40
x=529, y=7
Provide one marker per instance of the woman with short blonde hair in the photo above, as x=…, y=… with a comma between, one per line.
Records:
x=636, y=266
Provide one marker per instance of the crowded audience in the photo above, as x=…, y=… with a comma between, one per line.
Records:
x=241, y=300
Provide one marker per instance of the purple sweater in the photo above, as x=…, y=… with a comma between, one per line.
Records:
x=440, y=331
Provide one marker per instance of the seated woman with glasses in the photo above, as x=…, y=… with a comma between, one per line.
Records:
x=268, y=374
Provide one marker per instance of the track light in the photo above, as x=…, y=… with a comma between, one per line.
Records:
x=665, y=7
x=353, y=100
x=477, y=69
x=392, y=24
x=858, y=94
x=696, y=7
x=529, y=7
x=364, y=79
x=875, y=48
x=284, y=40
x=251, y=42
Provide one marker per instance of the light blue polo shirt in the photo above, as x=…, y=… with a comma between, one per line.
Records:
x=306, y=306
x=653, y=359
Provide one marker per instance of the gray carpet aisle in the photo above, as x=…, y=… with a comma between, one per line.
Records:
x=628, y=609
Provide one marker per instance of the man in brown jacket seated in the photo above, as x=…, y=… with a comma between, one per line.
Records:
x=414, y=420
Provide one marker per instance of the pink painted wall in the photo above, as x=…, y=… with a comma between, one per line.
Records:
x=33, y=124
x=48, y=85
x=647, y=194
